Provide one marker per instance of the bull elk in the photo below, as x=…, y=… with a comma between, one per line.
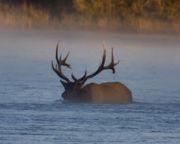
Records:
x=77, y=91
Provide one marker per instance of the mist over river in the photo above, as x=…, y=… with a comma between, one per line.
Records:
x=31, y=107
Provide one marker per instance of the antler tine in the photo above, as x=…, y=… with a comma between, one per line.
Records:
x=80, y=79
x=112, y=64
x=66, y=56
x=112, y=58
x=84, y=76
x=103, y=59
x=63, y=61
x=60, y=62
x=101, y=66
x=57, y=60
x=73, y=77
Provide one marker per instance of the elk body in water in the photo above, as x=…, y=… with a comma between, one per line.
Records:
x=77, y=91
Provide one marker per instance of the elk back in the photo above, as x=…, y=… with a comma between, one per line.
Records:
x=110, y=92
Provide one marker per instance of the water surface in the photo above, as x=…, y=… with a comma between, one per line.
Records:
x=31, y=110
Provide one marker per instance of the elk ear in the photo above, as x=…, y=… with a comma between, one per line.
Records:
x=65, y=85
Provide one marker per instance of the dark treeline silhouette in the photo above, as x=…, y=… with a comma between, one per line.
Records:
x=44, y=3
x=55, y=7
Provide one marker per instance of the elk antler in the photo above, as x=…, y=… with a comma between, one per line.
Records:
x=101, y=67
x=60, y=62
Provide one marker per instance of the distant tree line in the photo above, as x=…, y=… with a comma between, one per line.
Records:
x=98, y=8
x=135, y=13
x=55, y=7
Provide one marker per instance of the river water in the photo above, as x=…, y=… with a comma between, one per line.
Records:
x=31, y=107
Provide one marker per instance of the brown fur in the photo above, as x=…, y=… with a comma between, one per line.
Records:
x=109, y=92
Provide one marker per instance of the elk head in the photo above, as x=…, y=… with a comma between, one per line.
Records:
x=74, y=86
